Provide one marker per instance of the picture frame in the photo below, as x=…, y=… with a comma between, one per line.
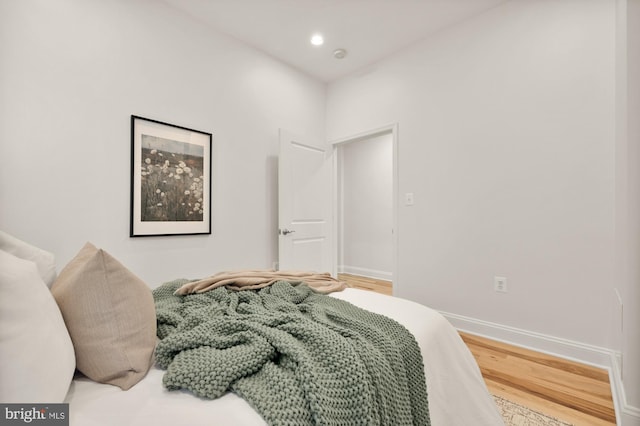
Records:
x=170, y=179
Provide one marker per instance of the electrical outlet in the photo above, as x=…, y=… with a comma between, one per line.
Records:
x=275, y=266
x=500, y=284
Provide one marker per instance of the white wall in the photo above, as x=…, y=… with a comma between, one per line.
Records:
x=71, y=74
x=506, y=135
x=628, y=202
x=367, y=221
x=514, y=140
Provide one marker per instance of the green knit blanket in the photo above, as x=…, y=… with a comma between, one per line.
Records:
x=298, y=357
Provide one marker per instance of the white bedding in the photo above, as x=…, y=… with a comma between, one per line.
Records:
x=457, y=393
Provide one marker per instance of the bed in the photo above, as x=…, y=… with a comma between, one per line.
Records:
x=457, y=394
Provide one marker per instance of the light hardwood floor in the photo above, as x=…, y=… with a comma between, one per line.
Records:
x=366, y=283
x=572, y=392
x=576, y=393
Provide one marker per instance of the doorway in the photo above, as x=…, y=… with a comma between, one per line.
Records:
x=366, y=177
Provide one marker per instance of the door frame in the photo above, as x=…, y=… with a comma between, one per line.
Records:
x=337, y=205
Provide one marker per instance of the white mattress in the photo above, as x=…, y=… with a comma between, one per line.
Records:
x=457, y=393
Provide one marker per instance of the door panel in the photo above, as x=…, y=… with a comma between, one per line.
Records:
x=304, y=180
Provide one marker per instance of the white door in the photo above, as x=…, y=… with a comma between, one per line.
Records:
x=305, y=226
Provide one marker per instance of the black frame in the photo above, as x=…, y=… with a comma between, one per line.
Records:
x=170, y=179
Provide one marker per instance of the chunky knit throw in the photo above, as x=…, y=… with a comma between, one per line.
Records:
x=298, y=357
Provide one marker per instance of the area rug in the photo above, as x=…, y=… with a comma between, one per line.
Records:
x=519, y=415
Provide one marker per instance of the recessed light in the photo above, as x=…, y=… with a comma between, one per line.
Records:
x=317, y=40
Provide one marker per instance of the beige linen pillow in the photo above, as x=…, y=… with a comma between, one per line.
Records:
x=110, y=316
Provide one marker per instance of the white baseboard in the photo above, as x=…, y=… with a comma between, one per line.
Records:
x=564, y=348
x=627, y=415
x=607, y=359
x=630, y=417
x=365, y=272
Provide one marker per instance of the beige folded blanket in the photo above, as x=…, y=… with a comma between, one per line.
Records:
x=251, y=280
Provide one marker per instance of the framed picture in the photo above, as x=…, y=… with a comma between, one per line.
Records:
x=170, y=179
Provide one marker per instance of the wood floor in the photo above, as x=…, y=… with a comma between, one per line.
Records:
x=366, y=283
x=575, y=393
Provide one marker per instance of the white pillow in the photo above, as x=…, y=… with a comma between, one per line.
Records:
x=37, y=360
x=44, y=260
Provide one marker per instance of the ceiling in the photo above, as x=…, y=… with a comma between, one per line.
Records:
x=369, y=30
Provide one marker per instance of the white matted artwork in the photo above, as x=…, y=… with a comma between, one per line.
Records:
x=170, y=179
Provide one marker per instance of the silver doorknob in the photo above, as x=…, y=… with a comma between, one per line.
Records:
x=286, y=231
